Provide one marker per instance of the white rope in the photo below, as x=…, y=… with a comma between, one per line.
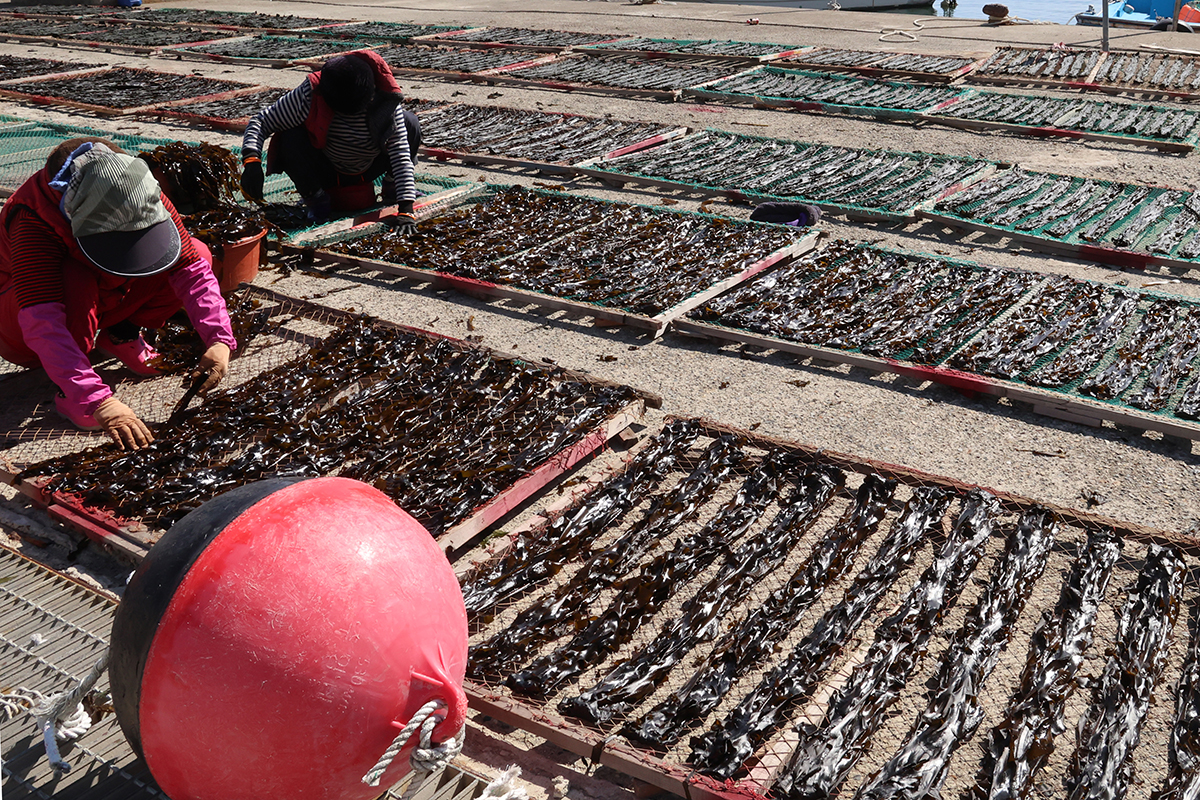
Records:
x=426, y=757
x=59, y=716
x=505, y=786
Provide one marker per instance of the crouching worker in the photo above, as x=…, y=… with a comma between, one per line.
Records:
x=91, y=252
x=333, y=135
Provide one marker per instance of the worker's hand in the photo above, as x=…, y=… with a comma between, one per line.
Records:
x=405, y=224
x=215, y=362
x=124, y=426
x=252, y=180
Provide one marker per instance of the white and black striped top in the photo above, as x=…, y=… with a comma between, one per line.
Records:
x=348, y=144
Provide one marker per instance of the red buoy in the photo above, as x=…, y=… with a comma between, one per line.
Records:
x=270, y=640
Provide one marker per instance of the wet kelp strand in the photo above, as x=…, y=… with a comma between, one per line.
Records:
x=1111, y=727
x=755, y=637
x=1021, y=744
x=829, y=750
x=636, y=678
x=919, y=767
x=721, y=751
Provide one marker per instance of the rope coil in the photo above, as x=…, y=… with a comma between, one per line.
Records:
x=59, y=716
x=426, y=757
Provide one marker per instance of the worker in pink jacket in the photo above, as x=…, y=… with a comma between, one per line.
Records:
x=91, y=252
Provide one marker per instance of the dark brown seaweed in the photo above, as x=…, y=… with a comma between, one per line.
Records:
x=1111, y=727
x=1021, y=744
x=641, y=596
x=634, y=679
x=548, y=618
x=828, y=751
x=722, y=750
x=529, y=561
x=754, y=637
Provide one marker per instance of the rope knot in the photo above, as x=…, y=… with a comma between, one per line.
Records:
x=426, y=757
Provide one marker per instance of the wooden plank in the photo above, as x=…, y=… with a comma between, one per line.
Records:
x=646, y=144
x=1047, y=132
x=208, y=98
x=569, y=496
x=427, y=204
x=1169, y=94
x=511, y=498
x=781, y=256
x=669, y=95
x=916, y=477
x=109, y=111
x=134, y=49
x=487, y=290
x=488, y=158
x=786, y=104
x=571, y=737
x=70, y=73
x=1085, y=252
x=107, y=538
x=643, y=766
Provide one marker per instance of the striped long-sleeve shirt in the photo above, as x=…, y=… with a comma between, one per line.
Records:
x=348, y=144
x=37, y=254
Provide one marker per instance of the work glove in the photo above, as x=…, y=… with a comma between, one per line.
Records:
x=404, y=224
x=252, y=179
x=124, y=426
x=214, y=362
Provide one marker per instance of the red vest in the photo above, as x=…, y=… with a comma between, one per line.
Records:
x=320, y=115
x=90, y=293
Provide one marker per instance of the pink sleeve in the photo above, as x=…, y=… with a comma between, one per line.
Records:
x=44, y=327
x=196, y=286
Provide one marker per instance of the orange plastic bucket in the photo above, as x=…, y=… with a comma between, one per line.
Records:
x=239, y=263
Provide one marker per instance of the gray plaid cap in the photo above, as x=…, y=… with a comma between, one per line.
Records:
x=111, y=192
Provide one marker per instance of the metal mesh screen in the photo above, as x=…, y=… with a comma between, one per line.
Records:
x=296, y=402
x=833, y=90
x=1078, y=211
x=871, y=182
x=626, y=616
x=1075, y=338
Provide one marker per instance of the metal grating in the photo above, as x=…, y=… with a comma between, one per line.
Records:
x=534, y=137
x=527, y=37
x=74, y=622
x=410, y=59
x=229, y=19
x=621, y=629
x=748, y=51
x=873, y=61
x=1044, y=66
x=385, y=31
x=632, y=75
x=1135, y=122
x=645, y=265
x=267, y=50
